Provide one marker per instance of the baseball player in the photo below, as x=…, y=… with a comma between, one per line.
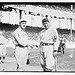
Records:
x=49, y=44
x=22, y=43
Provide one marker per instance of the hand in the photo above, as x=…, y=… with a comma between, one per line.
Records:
x=36, y=46
x=30, y=46
x=36, y=43
x=41, y=43
x=33, y=42
x=55, y=52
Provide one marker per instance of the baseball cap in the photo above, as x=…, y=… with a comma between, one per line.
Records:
x=22, y=20
x=45, y=20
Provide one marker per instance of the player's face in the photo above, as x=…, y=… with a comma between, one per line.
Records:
x=23, y=25
x=46, y=24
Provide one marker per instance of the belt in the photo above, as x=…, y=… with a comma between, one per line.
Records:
x=1, y=44
x=21, y=46
x=47, y=44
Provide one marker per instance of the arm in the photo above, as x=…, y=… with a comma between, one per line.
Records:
x=56, y=40
x=23, y=41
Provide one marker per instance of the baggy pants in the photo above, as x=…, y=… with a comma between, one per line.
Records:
x=48, y=54
x=21, y=56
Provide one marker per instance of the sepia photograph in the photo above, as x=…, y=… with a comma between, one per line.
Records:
x=37, y=37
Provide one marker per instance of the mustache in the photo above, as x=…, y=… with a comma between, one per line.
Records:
x=24, y=26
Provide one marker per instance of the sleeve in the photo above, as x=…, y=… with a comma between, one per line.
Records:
x=56, y=42
x=41, y=36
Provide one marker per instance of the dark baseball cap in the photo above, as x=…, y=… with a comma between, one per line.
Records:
x=22, y=20
x=45, y=20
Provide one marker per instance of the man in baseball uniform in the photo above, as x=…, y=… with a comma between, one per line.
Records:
x=22, y=43
x=49, y=44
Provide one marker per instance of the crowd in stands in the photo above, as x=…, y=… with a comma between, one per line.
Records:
x=60, y=7
x=33, y=32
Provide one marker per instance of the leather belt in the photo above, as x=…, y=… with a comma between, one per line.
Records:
x=21, y=46
x=47, y=44
x=1, y=44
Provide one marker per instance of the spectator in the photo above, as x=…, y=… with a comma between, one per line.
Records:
x=49, y=43
x=3, y=42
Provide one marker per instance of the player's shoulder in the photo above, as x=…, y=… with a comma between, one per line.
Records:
x=52, y=28
x=42, y=31
x=16, y=30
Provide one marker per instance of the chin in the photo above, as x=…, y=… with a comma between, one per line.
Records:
x=47, y=27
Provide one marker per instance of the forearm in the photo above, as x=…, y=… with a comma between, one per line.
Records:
x=22, y=43
x=32, y=42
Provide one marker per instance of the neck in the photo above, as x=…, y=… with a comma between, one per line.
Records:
x=22, y=29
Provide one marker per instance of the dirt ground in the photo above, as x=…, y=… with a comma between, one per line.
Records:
x=64, y=63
